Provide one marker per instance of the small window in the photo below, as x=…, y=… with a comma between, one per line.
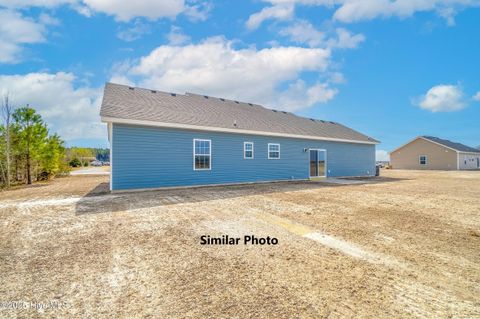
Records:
x=247, y=150
x=202, y=152
x=423, y=160
x=273, y=151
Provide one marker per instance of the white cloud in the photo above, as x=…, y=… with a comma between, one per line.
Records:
x=214, y=67
x=72, y=112
x=476, y=97
x=337, y=78
x=126, y=10
x=304, y=32
x=136, y=31
x=176, y=36
x=34, y=3
x=349, y=11
x=442, y=98
x=381, y=155
x=198, y=10
x=298, y=96
x=15, y=31
x=279, y=12
x=346, y=40
x=46, y=19
x=358, y=10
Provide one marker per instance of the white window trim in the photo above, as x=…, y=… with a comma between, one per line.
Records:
x=268, y=151
x=209, y=154
x=245, y=150
x=420, y=161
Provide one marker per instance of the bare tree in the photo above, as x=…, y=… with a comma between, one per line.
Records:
x=7, y=111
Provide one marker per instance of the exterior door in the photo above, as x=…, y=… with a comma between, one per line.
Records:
x=318, y=163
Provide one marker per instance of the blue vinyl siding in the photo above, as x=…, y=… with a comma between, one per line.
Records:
x=149, y=157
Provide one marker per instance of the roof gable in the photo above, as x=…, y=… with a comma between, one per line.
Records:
x=198, y=111
x=458, y=147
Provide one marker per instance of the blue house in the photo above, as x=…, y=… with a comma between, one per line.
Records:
x=160, y=139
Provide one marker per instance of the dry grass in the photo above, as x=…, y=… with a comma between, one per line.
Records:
x=138, y=255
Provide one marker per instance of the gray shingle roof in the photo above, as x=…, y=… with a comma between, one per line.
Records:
x=127, y=103
x=456, y=146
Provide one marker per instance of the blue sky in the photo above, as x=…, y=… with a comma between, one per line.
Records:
x=390, y=69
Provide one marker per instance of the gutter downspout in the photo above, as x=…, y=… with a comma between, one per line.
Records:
x=110, y=140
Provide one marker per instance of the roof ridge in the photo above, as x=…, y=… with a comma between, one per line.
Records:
x=224, y=99
x=145, y=89
x=137, y=104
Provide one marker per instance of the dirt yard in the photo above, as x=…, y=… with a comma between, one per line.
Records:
x=403, y=245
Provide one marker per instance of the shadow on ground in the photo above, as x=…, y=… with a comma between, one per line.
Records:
x=99, y=199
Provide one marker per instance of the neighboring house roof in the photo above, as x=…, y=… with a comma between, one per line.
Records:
x=124, y=104
x=446, y=143
x=456, y=146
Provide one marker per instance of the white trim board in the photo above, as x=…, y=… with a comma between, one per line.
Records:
x=107, y=119
x=471, y=153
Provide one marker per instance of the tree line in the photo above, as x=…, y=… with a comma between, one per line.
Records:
x=28, y=152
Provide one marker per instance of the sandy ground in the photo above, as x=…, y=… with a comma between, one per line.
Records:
x=404, y=245
x=91, y=170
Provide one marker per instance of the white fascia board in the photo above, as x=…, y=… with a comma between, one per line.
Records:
x=226, y=130
x=474, y=153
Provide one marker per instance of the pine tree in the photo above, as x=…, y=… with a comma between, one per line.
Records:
x=31, y=133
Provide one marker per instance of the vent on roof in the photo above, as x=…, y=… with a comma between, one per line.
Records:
x=153, y=91
x=173, y=94
x=222, y=99
x=205, y=96
x=130, y=88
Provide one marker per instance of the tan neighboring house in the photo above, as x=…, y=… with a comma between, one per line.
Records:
x=428, y=152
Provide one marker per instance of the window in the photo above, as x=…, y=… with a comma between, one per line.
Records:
x=202, y=152
x=423, y=160
x=247, y=150
x=273, y=151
